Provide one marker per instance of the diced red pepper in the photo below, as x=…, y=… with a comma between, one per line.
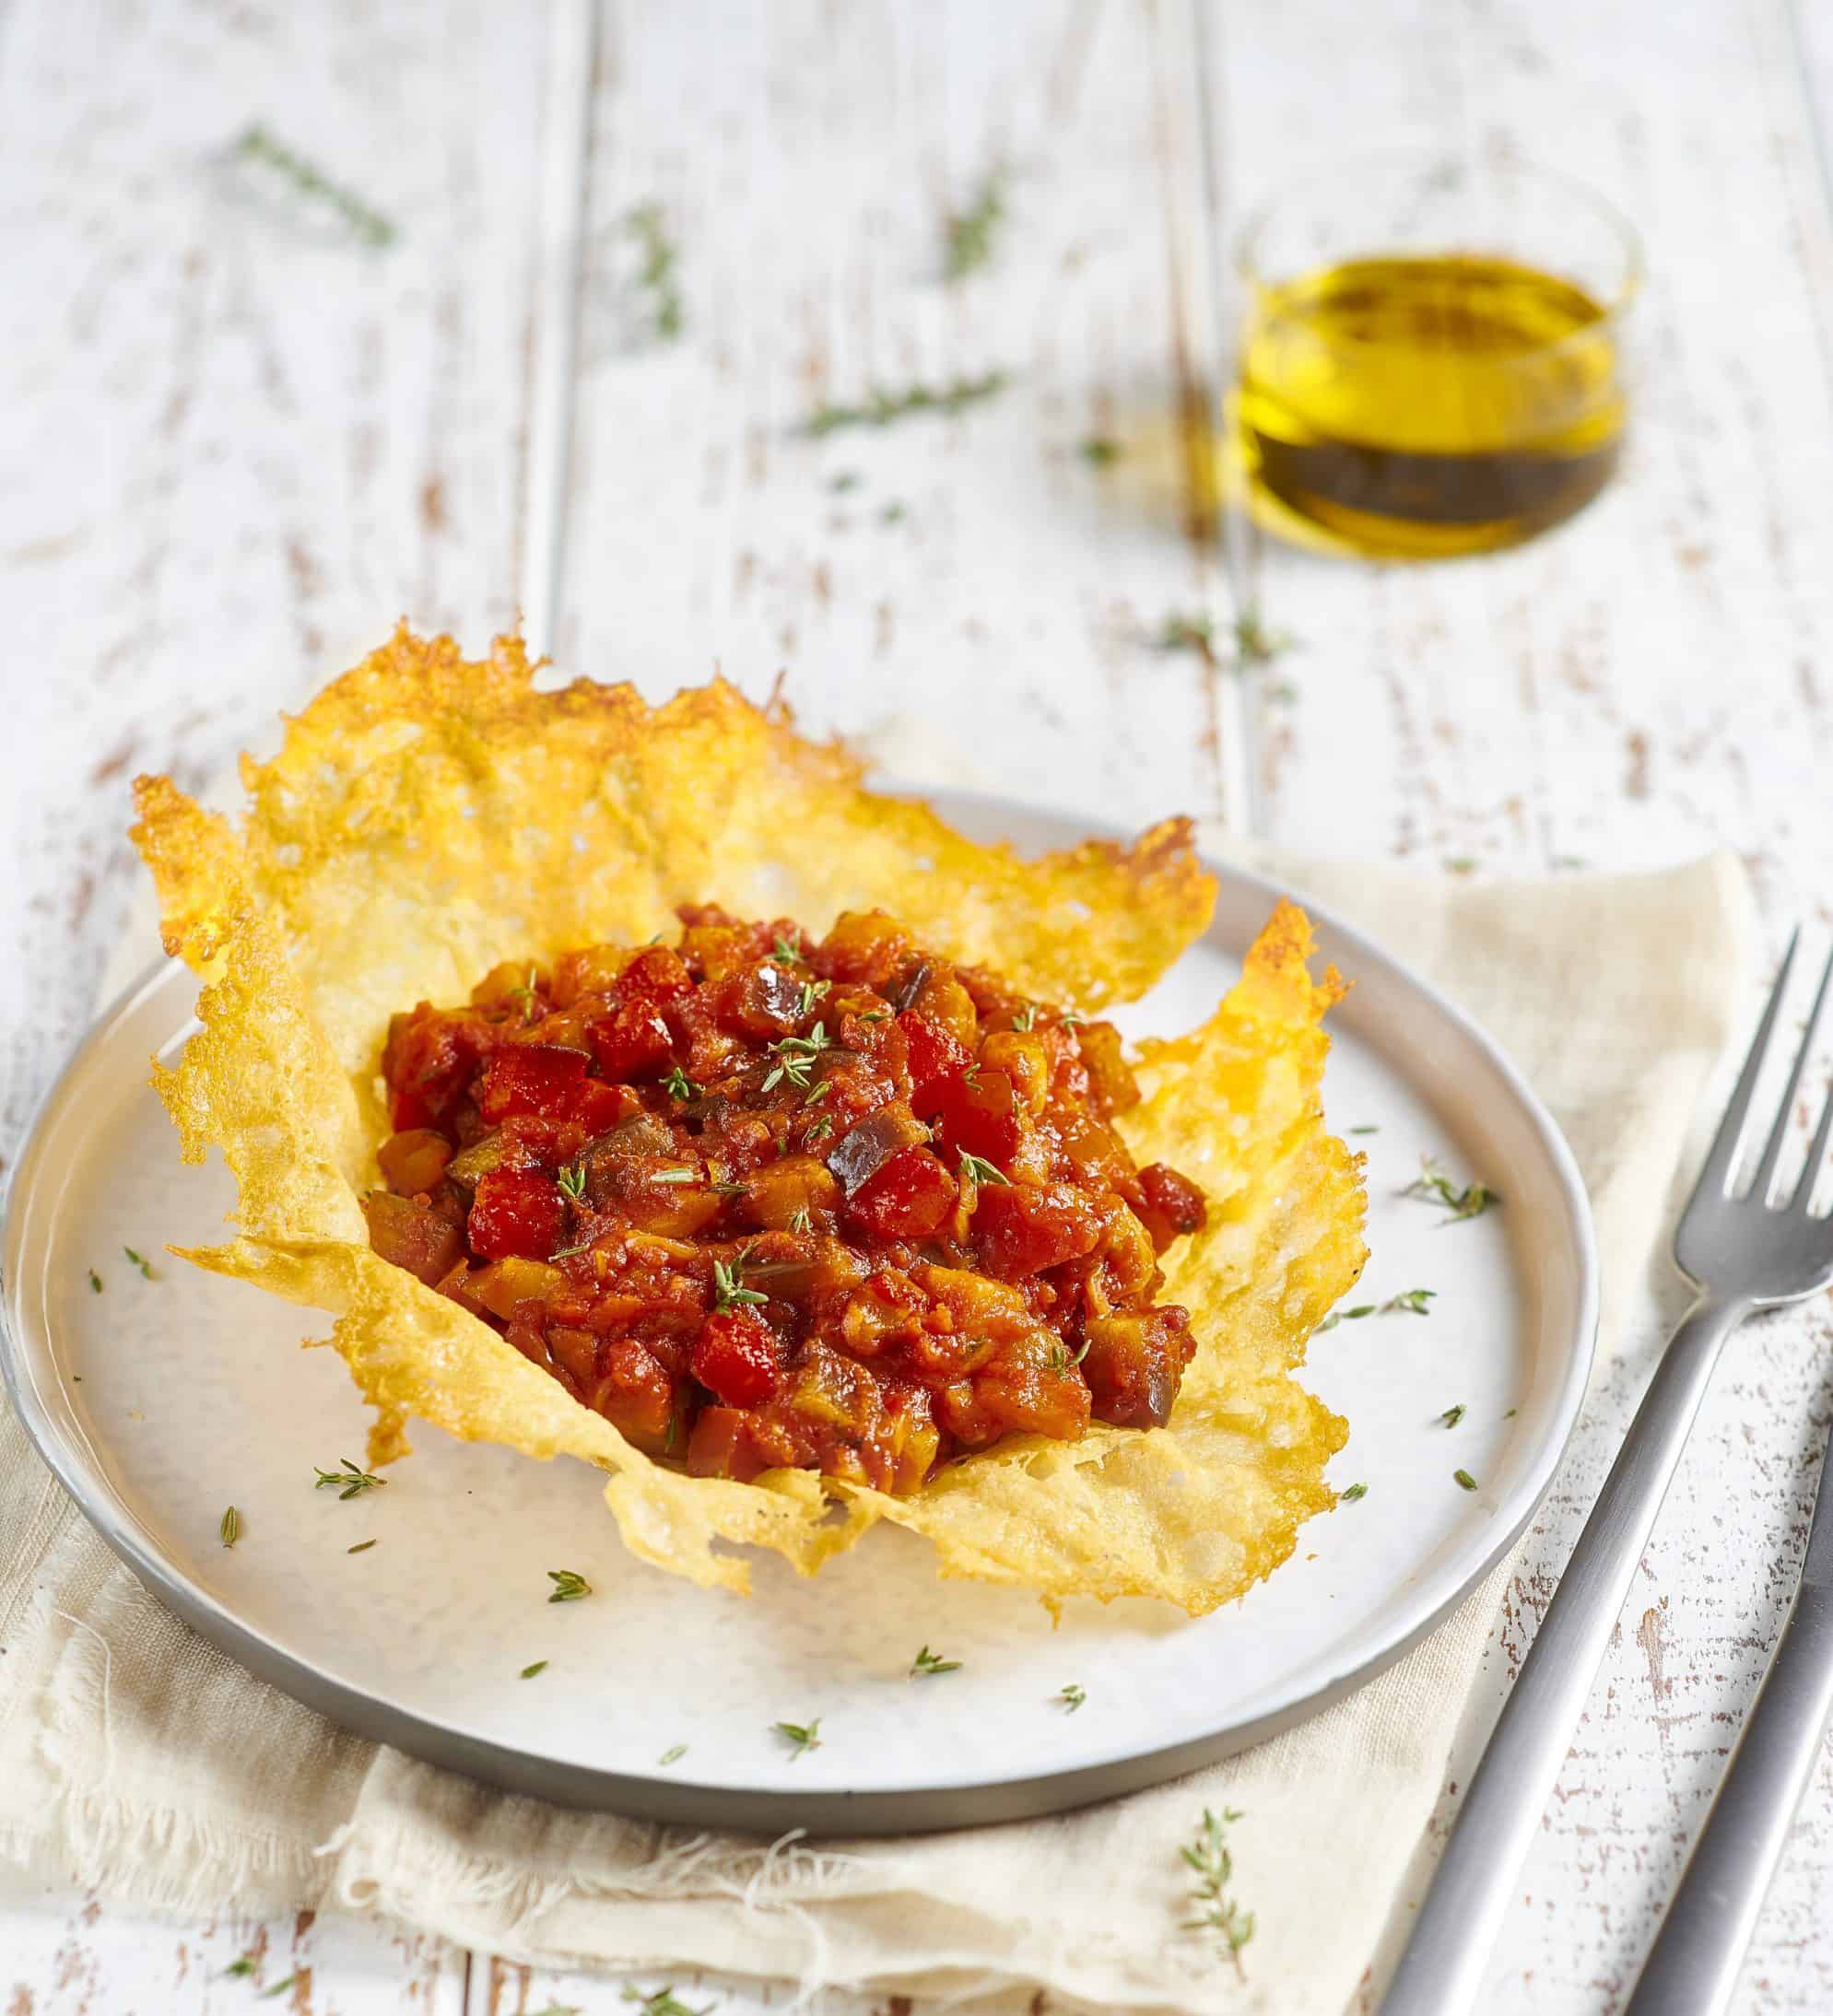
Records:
x=516, y=1212
x=429, y=1061
x=531, y=1078
x=738, y=1358
x=935, y=1055
x=979, y=1113
x=909, y=1196
x=1020, y=1231
x=635, y=1038
x=1173, y=1204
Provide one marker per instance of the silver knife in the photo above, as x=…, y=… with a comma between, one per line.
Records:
x=1693, y=1967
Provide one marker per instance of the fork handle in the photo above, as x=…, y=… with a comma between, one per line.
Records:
x=1443, y=1966
x=1693, y=1967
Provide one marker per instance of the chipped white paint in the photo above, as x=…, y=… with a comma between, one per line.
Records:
x=235, y=449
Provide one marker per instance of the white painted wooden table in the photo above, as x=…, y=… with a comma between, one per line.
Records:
x=234, y=446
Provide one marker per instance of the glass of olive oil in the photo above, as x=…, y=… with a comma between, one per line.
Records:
x=1432, y=359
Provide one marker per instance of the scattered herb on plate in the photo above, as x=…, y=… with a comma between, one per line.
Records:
x=1434, y=1186
x=1464, y=1478
x=927, y=1662
x=1452, y=1415
x=1098, y=452
x=540, y=1666
x=1350, y=1493
x=362, y=1547
x=1072, y=1697
x=568, y=1586
x=229, y=1528
x=140, y=1261
x=672, y=1755
x=802, y=1736
x=350, y=1482
x=95, y=1281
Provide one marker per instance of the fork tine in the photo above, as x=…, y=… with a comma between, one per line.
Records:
x=1723, y=1154
x=1778, y=1134
x=1804, y=1195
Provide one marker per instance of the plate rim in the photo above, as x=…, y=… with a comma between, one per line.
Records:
x=821, y=1811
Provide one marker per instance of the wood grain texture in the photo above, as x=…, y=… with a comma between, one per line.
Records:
x=234, y=446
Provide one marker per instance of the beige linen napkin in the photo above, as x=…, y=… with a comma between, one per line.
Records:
x=141, y=1762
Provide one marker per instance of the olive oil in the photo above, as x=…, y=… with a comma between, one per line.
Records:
x=1425, y=404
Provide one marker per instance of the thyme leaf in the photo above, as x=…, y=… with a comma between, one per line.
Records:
x=927, y=1662
x=1100, y=451
x=971, y=232
x=672, y=1755
x=135, y=1260
x=1412, y=1302
x=350, y=1482
x=1350, y=1493
x=1452, y=1415
x=662, y=2001
x=1209, y=1860
x=729, y=1288
x=568, y=1586
x=528, y=1672
x=1072, y=1697
x=258, y=145
x=362, y=1547
x=229, y=1528
x=678, y=1085
x=802, y=1737
x=1434, y=1186
x=572, y=1180
x=656, y=277
x=1464, y=1478
x=885, y=409
x=95, y=1281
x=976, y=1169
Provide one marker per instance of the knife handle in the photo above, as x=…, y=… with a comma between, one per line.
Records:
x=1693, y=1967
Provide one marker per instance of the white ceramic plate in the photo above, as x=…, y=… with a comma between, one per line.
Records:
x=160, y=1402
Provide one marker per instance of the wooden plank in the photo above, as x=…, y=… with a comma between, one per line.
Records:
x=62, y=1955
x=970, y=583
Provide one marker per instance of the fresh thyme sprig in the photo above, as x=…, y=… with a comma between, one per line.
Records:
x=803, y=1737
x=795, y=1057
x=676, y=1176
x=657, y=277
x=350, y=1482
x=678, y=1085
x=927, y=1662
x=812, y=991
x=1434, y=1186
x=883, y=408
x=568, y=1586
x=1072, y=1697
x=800, y=1220
x=784, y=953
x=144, y=1265
x=256, y=143
x=1249, y=641
x=972, y=231
x=1024, y=1019
x=663, y=2001
x=1411, y=1303
x=524, y=993
x=572, y=1180
x=729, y=1288
x=977, y=1169
x=1213, y=1866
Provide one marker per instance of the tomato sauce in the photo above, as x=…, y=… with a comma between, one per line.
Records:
x=764, y=1201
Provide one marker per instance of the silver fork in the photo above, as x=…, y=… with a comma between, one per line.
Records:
x=1743, y=1254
